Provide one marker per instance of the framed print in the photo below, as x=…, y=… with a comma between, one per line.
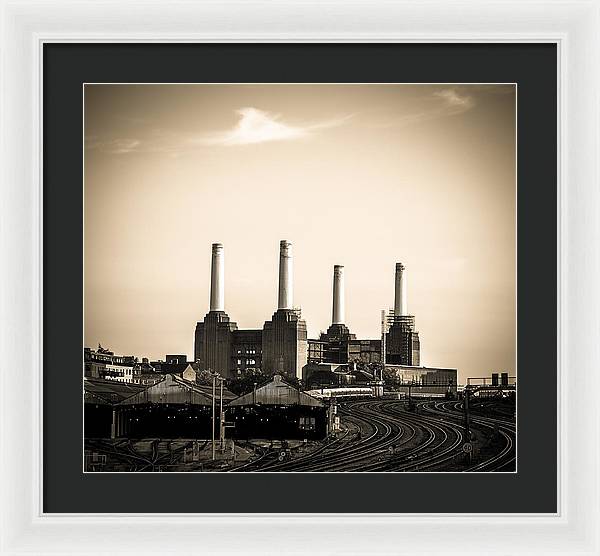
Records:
x=281, y=397
x=289, y=283
x=260, y=402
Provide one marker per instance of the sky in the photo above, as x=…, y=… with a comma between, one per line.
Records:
x=359, y=175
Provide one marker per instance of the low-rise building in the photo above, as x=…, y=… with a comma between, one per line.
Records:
x=120, y=372
x=95, y=361
x=422, y=380
x=103, y=363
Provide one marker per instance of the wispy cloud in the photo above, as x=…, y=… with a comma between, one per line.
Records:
x=253, y=126
x=113, y=146
x=257, y=126
x=440, y=104
x=454, y=103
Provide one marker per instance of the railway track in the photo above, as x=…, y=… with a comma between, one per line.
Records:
x=376, y=433
x=394, y=439
x=381, y=435
x=504, y=425
x=450, y=439
x=124, y=452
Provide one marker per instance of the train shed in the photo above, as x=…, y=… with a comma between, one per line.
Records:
x=277, y=410
x=172, y=408
x=100, y=396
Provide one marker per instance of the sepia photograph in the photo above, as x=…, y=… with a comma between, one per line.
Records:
x=300, y=278
x=303, y=273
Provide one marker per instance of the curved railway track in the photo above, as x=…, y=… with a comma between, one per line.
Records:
x=380, y=435
x=501, y=422
x=392, y=438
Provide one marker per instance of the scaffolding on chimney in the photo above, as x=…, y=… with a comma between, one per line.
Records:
x=406, y=322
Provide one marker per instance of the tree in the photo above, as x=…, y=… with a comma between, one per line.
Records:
x=245, y=383
x=204, y=377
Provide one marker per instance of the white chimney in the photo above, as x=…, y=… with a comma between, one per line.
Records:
x=338, y=295
x=400, y=308
x=217, y=278
x=285, y=275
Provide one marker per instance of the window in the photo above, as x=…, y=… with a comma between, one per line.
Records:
x=307, y=423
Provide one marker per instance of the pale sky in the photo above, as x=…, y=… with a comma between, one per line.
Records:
x=359, y=175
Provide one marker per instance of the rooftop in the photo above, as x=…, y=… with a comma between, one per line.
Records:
x=276, y=392
x=98, y=390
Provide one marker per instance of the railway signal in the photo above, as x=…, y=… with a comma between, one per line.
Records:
x=468, y=450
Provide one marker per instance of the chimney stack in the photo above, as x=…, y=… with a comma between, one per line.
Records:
x=338, y=295
x=217, y=279
x=285, y=275
x=400, y=308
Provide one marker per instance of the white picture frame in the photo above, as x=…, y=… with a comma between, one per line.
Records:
x=573, y=25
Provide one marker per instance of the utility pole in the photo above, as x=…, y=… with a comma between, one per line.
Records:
x=383, y=327
x=221, y=423
x=331, y=414
x=214, y=387
x=467, y=416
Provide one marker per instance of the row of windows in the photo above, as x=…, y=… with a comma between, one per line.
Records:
x=248, y=361
x=251, y=351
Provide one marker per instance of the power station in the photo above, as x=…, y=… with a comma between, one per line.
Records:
x=282, y=346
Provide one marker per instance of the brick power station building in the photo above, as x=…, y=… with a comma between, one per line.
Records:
x=282, y=346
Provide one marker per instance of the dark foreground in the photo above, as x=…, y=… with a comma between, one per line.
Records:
x=377, y=435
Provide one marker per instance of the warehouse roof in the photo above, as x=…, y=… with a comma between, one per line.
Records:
x=191, y=375
x=276, y=392
x=174, y=389
x=108, y=391
x=327, y=367
x=207, y=390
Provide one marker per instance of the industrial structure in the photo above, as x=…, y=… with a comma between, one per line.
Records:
x=176, y=407
x=399, y=341
x=284, y=341
x=277, y=410
x=173, y=407
x=342, y=378
x=422, y=381
x=213, y=339
x=282, y=346
x=402, y=340
x=333, y=344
